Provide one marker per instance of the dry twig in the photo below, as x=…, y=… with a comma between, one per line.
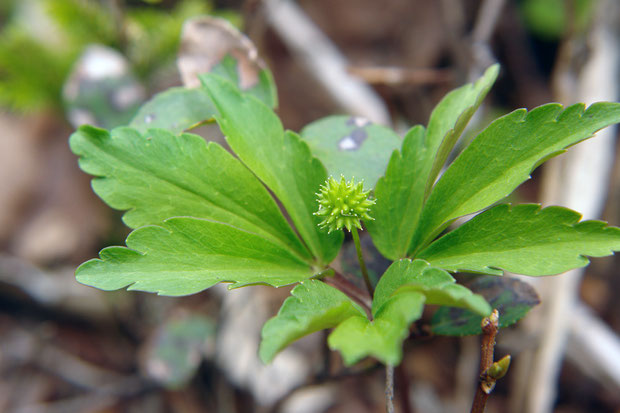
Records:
x=324, y=61
x=490, y=325
x=393, y=76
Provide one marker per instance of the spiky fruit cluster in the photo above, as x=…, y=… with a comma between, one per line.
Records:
x=343, y=204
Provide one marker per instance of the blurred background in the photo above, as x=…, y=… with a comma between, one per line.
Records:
x=68, y=348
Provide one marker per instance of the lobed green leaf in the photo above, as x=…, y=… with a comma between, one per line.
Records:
x=405, y=271
x=178, y=109
x=523, y=239
x=412, y=170
x=434, y=283
x=281, y=160
x=399, y=300
x=187, y=255
x=382, y=338
x=158, y=175
x=503, y=156
x=313, y=306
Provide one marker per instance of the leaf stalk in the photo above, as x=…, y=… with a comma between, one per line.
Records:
x=360, y=258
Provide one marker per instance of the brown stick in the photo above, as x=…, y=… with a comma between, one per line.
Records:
x=490, y=325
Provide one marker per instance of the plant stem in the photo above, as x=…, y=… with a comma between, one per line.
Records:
x=490, y=325
x=389, y=389
x=360, y=258
x=354, y=292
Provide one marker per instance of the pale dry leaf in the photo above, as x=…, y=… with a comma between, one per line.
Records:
x=205, y=41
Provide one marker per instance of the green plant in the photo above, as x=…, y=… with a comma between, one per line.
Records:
x=202, y=216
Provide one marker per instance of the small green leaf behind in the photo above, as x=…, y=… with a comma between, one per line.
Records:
x=158, y=175
x=313, y=306
x=176, y=110
x=174, y=353
x=503, y=156
x=511, y=297
x=398, y=301
x=180, y=108
x=186, y=255
x=352, y=147
x=523, y=239
x=280, y=159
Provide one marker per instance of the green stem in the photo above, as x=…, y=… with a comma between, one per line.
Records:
x=360, y=258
